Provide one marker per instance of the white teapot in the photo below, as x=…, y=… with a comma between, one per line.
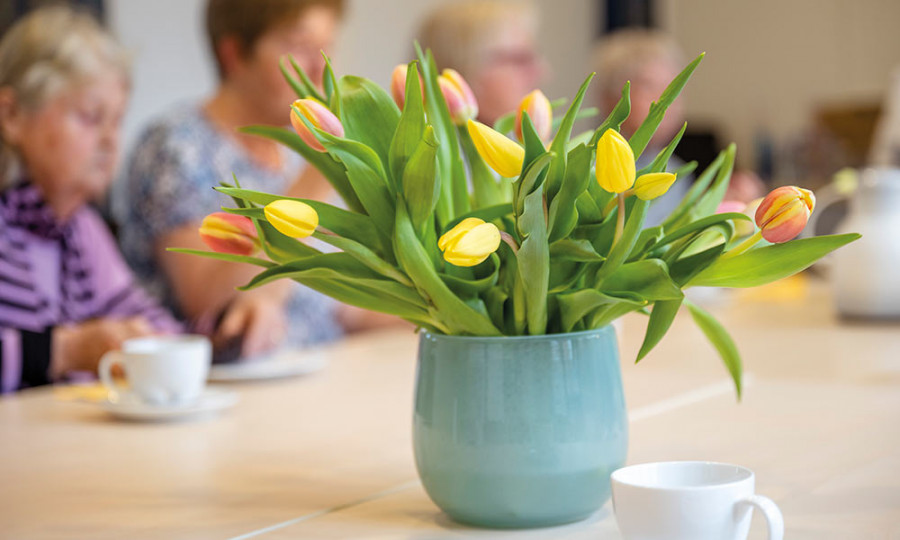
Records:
x=866, y=273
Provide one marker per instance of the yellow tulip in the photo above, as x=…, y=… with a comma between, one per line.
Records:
x=470, y=242
x=652, y=185
x=292, y=218
x=615, y=162
x=498, y=151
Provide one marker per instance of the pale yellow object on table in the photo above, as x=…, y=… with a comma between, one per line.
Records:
x=92, y=392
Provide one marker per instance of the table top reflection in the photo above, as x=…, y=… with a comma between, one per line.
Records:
x=329, y=455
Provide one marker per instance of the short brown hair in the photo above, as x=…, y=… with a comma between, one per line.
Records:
x=248, y=20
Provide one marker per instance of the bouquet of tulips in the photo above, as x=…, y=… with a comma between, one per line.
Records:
x=520, y=228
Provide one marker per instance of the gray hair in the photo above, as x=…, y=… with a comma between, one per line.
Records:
x=623, y=55
x=47, y=51
x=460, y=34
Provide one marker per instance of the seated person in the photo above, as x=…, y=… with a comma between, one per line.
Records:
x=182, y=155
x=66, y=295
x=650, y=59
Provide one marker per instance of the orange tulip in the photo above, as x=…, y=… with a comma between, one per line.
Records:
x=229, y=233
x=783, y=213
x=319, y=116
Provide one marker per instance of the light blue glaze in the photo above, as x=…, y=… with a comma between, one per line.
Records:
x=519, y=431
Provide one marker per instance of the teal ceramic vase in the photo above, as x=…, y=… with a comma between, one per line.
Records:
x=519, y=432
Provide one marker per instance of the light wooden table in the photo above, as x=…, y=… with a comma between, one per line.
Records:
x=330, y=455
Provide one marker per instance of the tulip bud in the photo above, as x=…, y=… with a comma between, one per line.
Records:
x=784, y=212
x=319, y=116
x=292, y=218
x=398, y=84
x=229, y=233
x=615, y=162
x=539, y=111
x=652, y=185
x=470, y=242
x=497, y=150
x=459, y=97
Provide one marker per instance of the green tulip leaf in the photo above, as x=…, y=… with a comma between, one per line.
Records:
x=648, y=279
x=718, y=336
x=770, y=263
x=534, y=260
x=368, y=112
x=657, y=111
x=557, y=170
x=563, y=213
x=230, y=257
x=333, y=171
x=661, y=318
x=411, y=126
x=616, y=117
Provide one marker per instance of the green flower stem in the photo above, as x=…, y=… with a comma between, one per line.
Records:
x=743, y=246
x=613, y=202
x=510, y=241
x=620, y=219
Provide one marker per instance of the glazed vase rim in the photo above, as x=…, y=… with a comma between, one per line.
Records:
x=494, y=339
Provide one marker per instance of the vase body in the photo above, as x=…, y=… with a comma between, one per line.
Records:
x=866, y=282
x=516, y=432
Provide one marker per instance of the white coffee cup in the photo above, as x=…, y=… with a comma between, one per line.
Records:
x=161, y=370
x=693, y=500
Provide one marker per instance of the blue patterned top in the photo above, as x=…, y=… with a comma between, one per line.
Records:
x=169, y=182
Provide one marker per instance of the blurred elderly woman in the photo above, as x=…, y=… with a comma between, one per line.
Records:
x=185, y=153
x=66, y=295
x=493, y=45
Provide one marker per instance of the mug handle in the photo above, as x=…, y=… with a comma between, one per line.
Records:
x=772, y=513
x=105, y=370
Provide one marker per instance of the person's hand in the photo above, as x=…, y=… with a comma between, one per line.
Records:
x=79, y=347
x=257, y=318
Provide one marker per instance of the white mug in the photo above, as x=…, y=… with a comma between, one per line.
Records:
x=161, y=370
x=693, y=500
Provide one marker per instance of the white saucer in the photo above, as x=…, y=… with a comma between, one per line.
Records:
x=284, y=363
x=212, y=400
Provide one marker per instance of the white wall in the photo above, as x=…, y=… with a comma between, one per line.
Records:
x=770, y=63
x=172, y=63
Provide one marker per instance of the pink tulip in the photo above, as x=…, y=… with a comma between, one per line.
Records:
x=319, y=116
x=539, y=111
x=783, y=213
x=459, y=97
x=229, y=233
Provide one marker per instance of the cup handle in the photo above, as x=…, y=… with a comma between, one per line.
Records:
x=105, y=370
x=772, y=513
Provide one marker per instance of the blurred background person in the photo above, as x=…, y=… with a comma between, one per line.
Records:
x=650, y=59
x=493, y=45
x=183, y=154
x=66, y=295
